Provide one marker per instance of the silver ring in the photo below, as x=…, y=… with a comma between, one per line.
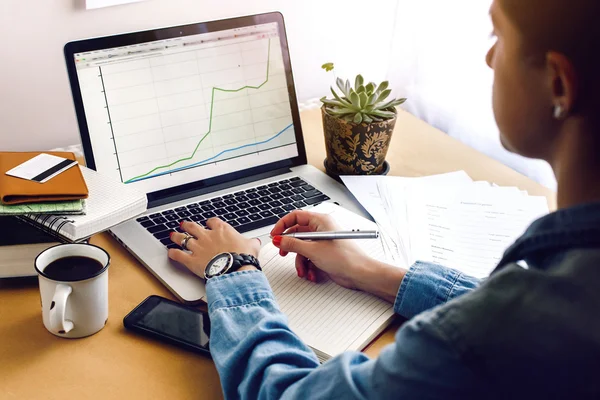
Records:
x=185, y=241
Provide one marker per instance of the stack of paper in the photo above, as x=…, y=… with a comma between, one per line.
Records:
x=446, y=219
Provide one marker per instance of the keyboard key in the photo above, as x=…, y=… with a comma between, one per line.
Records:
x=285, y=187
x=155, y=215
x=311, y=193
x=230, y=216
x=233, y=223
x=180, y=209
x=282, y=215
x=307, y=188
x=299, y=204
x=253, y=210
x=265, y=199
x=289, y=207
x=195, y=211
x=205, y=202
x=253, y=195
x=232, y=208
x=264, y=192
x=297, y=197
x=257, y=224
x=254, y=202
x=251, y=190
x=242, y=198
x=157, y=228
x=277, y=210
x=298, y=183
x=159, y=220
x=298, y=190
x=275, y=203
x=244, y=220
x=264, y=206
x=263, y=187
x=219, y=204
x=315, y=200
x=179, y=230
x=209, y=214
x=287, y=193
x=142, y=219
x=220, y=211
x=172, y=217
x=294, y=179
x=184, y=214
x=243, y=205
x=281, y=182
x=172, y=224
x=276, y=196
x=193, y=205
x=240, y=193
x=230, y=202
x=208, y=207
x=286, y=201
x=228, y=196
x=266, y=214
x=216, y=199
x=168, y=212
x=197, y=218
x=274, y=190
x=255, y=217
x=166, y=241
x=174, y=246
x=273, y=184
x=162, y=234
x=242, y=213
x=147, y=224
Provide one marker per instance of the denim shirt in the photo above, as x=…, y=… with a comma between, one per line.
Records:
x=529, y=332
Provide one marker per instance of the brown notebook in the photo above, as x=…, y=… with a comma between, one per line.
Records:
x=69, y=185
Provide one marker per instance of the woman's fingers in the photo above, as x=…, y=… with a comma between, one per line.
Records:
x=300, y=217
x=301, y=266
x=192, y=228
x=297, y=228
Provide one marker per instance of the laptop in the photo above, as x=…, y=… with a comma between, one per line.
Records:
x=204, y=119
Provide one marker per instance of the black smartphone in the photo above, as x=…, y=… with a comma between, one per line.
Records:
x=171, y=322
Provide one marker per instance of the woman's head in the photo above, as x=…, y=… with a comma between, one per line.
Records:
x=546, y=71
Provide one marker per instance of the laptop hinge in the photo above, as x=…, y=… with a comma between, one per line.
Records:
x=216, y=188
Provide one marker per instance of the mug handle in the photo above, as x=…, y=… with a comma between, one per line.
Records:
x=58, y=323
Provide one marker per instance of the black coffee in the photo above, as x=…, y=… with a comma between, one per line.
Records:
x=74, y=268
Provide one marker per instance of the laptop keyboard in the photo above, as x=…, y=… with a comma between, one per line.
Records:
x=245, y=210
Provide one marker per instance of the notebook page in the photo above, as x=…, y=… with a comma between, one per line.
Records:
x=327, y=317
x=109, y=203
x=468, y=230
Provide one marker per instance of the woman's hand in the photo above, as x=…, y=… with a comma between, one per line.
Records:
x=342, y=260
x=221, y=238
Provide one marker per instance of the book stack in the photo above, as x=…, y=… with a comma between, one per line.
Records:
x=67, y=205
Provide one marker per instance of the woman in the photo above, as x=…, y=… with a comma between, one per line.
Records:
x=525, y=332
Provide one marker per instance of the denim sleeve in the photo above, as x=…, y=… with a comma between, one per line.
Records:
x=259, y=357
x=428, y=285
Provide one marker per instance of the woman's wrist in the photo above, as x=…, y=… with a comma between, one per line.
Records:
x=380, y=279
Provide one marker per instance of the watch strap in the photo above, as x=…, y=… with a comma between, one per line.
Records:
x=239, y=260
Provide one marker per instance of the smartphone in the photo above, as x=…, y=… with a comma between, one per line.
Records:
x=172, y=323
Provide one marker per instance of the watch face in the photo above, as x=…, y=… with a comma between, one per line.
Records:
x=218, y=265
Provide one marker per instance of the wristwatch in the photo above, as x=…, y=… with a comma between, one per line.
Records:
x=224, y=263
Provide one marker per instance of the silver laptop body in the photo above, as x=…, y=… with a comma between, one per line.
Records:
x=202, y=118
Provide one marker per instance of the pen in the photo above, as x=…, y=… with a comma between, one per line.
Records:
x=334, y=235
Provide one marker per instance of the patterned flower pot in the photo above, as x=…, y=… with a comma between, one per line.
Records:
x=356, y=149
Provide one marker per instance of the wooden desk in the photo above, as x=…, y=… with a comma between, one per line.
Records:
x=117, y=364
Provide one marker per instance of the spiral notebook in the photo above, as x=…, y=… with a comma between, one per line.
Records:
x=327, y=317
x=109, y=203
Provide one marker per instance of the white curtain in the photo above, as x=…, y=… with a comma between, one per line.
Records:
x=438, y=62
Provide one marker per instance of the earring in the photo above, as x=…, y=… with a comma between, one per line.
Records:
x=559, y=112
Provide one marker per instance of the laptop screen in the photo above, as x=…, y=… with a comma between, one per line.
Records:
x=169, y=112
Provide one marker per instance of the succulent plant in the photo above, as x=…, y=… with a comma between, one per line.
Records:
x=361, y=103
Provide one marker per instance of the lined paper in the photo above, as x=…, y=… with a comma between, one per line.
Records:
x=326, y=316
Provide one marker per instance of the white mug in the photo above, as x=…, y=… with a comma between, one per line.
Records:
x=75, y=308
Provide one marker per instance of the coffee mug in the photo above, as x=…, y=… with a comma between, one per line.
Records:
x=73, y=281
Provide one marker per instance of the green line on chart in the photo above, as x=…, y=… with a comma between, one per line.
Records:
x=212, y=103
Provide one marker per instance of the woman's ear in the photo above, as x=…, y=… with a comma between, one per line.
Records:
x=563, y=82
